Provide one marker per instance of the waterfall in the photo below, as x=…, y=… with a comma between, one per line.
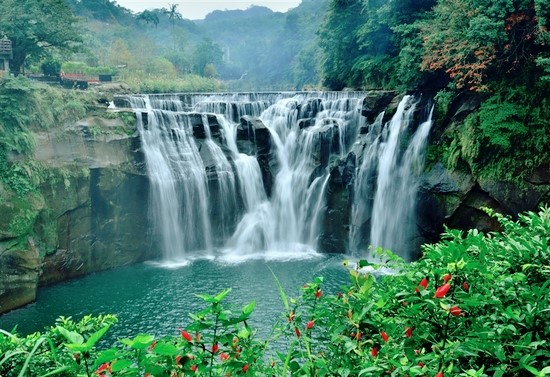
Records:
x=387, y=182
x=245, y=175
x=287, y=224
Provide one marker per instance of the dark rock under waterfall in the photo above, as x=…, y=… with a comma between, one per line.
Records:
x=253, y=130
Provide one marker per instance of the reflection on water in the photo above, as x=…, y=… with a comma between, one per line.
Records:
x=157, y=300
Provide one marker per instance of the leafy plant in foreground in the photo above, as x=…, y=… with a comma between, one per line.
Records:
x=473, y=305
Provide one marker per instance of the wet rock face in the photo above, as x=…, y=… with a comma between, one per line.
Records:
x=87, y=216
x=334, y=236
x=104, y=230
x=457, y=199
x=19, y=269
x=254, y=132
x=377, y=101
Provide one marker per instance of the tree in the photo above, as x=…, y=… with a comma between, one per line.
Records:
x=173, y=15
x=339, y=42
x=149, y=17
x=37, y=28
x=206, y=53
x=474, y=42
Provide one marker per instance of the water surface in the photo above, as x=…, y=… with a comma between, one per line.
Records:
x=157, y=300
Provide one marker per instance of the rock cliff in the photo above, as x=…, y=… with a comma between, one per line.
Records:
x=86, y=215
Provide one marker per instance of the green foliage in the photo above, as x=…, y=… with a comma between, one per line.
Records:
x=473, y=305
x=501, y=123
x=25, y=106
x=339, y=43
x=51, y=67
x=86, y=70
x=160, y=84
x=443, y=100
x=506, y=138
x=37, y=28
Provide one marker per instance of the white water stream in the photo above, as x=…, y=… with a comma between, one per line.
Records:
x=208, y=197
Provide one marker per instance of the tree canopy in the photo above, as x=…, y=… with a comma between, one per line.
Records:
x=37, y=28
x=468, y=44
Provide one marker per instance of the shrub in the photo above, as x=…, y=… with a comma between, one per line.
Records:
x=473, y=305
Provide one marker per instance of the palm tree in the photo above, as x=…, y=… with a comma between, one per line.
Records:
x=173, y=15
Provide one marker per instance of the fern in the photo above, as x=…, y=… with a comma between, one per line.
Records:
x=501, y=123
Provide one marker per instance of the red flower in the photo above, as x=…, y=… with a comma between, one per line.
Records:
x=178, y=359
x=291, y=317
x=245, y=368
x=384, y=336
x=358, y=336
x=194, y=368
x=439, y=374
x=374, y=351
x=409, y=332
x=103, y=367
x=455, y=310
x=465, y=286
x=310, y=325
x=424, y=283
x=224, y=356
x=421, y=364
x=339, y=295
x=318, y=294
x=186, y=336
x=297, y=330
x=442, y=291
x=152, y=346
x=446, y=278
x=215, y=347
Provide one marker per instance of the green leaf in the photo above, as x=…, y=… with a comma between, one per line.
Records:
x=530, y=369
x=122, y=364
x=77, y=347
x=244, y=333
x=281, y=291
x=29, y=357
x=71, y=336
x=140, y=341
x=248, y=309
x=165, y=349
x=220, y=296
x=106, y=356
x=95, y=337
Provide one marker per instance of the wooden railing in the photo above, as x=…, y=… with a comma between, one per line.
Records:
x=5, y=46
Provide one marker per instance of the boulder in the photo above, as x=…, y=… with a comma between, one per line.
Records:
x=375, y=102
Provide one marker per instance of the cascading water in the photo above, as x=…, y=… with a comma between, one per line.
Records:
x=209, y=190
x=387, y=182
x=287, y=224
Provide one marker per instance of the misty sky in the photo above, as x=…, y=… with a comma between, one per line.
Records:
x=197, y=9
